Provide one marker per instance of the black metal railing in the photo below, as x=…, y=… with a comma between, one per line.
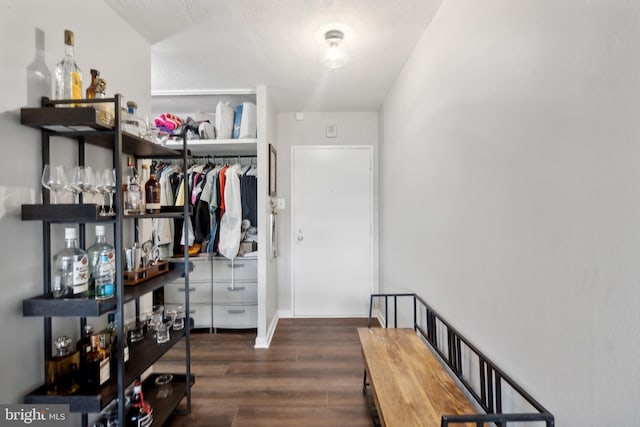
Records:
x=491, y=384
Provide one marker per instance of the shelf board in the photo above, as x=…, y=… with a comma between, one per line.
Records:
x=85, y=122
x=163, y=408
x=175, y=272
x=67, y=212
x=47, y=306
x=86, y=212
x=63, y=120
x=217, y=146
x=142, y=356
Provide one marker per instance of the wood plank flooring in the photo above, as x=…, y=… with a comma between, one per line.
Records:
x=310, y=376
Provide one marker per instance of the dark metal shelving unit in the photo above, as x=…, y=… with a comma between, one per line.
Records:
x=84, y=123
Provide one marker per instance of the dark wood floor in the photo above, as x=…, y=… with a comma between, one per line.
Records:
x=310, y=376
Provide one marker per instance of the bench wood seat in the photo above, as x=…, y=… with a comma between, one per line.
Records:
x=409, y=385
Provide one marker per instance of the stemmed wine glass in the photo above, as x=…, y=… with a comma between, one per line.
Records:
x=99, y=189
x=89, y=181
x=53, y=179
x=109, y=185
x=75, y=181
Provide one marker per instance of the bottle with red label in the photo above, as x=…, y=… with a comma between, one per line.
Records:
x=140, y=413
x=71, y=275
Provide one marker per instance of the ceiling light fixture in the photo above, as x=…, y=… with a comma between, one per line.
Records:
x=335, y=54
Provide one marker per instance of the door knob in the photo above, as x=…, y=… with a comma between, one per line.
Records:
x=300, y=238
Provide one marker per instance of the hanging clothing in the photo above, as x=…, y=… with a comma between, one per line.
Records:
x=230, y=224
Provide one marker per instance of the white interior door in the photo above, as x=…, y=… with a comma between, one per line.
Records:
x=332, y=220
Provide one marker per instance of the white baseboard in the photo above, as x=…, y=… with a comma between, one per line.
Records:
x=265, y=342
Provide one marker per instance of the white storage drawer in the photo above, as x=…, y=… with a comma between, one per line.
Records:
x=198, y=292
x=200, y=313
x=201, y=270
x=244, y=269
x=235, y=316
x=242, y=293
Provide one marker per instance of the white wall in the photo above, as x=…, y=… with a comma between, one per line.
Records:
x=509, y=193
x=103, y=41
x=358, y=128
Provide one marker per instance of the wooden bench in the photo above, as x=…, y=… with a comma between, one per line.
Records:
x=428, y=374
x=409, y=385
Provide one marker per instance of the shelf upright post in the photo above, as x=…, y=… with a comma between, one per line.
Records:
x=117, y=163
x=46, y=248
x=185, y=232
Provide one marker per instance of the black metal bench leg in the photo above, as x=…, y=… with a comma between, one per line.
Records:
x=364, y=383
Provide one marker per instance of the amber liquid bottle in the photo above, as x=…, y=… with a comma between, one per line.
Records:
x=96, y=365
x=63, y=369
x=152, y=195
x=90, y=93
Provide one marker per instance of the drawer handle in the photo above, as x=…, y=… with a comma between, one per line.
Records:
x=236, y=288
x=235, y=265
x=235, y=311
x=192, y=311
x=190, y=289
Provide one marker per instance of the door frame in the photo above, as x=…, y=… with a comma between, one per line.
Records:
x=372, y=217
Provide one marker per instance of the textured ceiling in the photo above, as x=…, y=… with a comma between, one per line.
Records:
x=200, y=45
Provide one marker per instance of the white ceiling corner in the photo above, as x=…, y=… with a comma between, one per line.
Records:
x=204, y=45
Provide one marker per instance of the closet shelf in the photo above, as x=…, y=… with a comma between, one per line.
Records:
x=47, y=306
x=219, y=146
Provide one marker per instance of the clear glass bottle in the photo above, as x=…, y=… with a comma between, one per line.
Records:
x=132, y=123
x=152, y=195
x=140, y=413
x=63, y=369
x=68, y=74
x=132, y=196
x=74, y=258
x=105, y=278
x=93, y=252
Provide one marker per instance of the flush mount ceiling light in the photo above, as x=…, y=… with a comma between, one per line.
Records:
x=335, y=53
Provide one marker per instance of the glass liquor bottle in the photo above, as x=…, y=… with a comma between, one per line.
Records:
x=105, y=278
x=96, y=364
x=112, y=333
x=84, y=344
x=68, y=74
x=132, y=123
x=73, y=259
x=140, y=413
x=90, y=93
x=152, y=195
x=94, y=251
x=63, y=369
x=133, y=198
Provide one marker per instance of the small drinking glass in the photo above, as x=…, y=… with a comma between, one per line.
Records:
x=162, y=332
x=157, y=316
x=137, y=328
x=178, y=321
x=54, y=179
x=163, y=383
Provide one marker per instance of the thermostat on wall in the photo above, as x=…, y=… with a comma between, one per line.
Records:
x=332, y=131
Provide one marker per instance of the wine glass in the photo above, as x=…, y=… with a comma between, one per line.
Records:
x=110, y=187
x=99, y=189
x=75, y=181
x=89, y=181
x=53, y=179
